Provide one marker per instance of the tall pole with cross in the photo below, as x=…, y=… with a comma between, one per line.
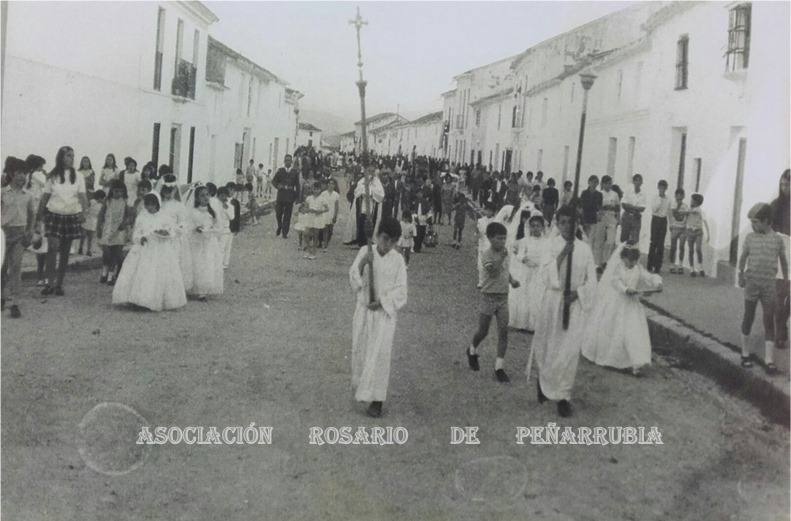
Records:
x=587, y=82
x=358, y=24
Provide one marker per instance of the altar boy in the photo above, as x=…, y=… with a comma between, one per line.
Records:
x=373, y=325
x=557, y=350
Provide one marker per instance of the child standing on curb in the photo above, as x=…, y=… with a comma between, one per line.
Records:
x=762, y=250
x=696, y=224
x=18, y=218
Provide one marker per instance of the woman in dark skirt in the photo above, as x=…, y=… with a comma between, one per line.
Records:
x=61, y=209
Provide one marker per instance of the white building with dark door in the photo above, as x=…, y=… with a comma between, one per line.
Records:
x=308, y=135
x=130, y=85
x=253, y=114
x=156, y=87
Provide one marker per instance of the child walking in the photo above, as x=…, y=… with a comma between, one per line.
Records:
x=18, y=218
x=205, y=252
x=494, y=299
x=111, y=231
x=175, y=209
x=406, y=242
x=95, y=203
x=762, y=250
x=374, y=322
x=618, y=329
x=252, y=203
x=459, y=218
x=225, y=215
x=151, y=276
x=332, y=198
x=36, y=180
x=531, y=249
x=312, y=219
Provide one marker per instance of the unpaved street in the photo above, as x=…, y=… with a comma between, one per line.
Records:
x=274, y=350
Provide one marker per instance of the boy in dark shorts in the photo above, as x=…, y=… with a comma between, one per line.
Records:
x=494, y=299
x=762, y=250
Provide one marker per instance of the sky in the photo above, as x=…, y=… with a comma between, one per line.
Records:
x=411, y=50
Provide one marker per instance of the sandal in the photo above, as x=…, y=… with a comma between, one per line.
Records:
x=771, y=369
x=747, y=362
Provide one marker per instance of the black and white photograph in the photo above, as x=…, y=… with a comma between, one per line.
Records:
x=395, y=260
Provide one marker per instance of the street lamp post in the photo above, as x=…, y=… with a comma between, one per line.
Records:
x=358, y=24
x=587, y=82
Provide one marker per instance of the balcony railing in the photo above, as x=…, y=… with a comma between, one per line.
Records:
x=184, y=79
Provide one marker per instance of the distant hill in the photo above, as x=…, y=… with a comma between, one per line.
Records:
x=329, y=123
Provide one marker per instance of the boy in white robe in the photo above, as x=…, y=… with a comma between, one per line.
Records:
x=557, y=350
x=373, y=326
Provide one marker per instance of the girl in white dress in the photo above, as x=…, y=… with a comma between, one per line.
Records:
x=529, y=251
x=173, y=207
x=150, y=276
x=517, y=299
x=618, y=329
x=205, y=252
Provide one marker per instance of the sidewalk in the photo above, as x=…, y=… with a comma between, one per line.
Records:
x=713, y=308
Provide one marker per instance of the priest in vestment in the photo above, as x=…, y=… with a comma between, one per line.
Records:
x=556, y=350
x=361, y=204
x=374, y=322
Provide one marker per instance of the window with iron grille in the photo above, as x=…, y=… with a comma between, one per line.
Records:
x=682, y=62
x=738, y=55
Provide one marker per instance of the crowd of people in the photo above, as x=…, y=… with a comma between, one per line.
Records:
x=162, y=242
x=528, y=234
x=159, y=241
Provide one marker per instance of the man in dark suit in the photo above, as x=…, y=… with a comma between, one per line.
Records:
x=286, y=182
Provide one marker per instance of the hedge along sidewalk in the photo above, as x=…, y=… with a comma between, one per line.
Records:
x=83, y=262
x=722, y=363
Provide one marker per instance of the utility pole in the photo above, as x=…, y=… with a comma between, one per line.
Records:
x=358, y=24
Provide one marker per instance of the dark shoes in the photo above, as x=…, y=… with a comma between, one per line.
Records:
x=564, y=408
x=541, y=397
x=48, y=290
x=15, y=313
x=59, y=291
x=472, y=360
x=501, y=376
x=374, y=410
x=103, y=279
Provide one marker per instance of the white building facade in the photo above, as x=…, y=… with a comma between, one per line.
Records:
x=308, y=135
x=140, y=88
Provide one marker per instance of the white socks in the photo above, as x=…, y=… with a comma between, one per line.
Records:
x=745, y=346
x=499, y=363
x=473, y=351
x=770, y=352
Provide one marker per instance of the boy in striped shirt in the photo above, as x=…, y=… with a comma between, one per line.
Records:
x=762, y=250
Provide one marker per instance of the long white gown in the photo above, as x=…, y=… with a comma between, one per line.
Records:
x=557, y=350
x=523, y=302
x=205, y=253
x=150, y=276
x=618, y=329
x=178, y=212
x=377, y=194
x=373, y=331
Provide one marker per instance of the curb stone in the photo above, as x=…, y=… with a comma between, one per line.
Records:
x=722, y=364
